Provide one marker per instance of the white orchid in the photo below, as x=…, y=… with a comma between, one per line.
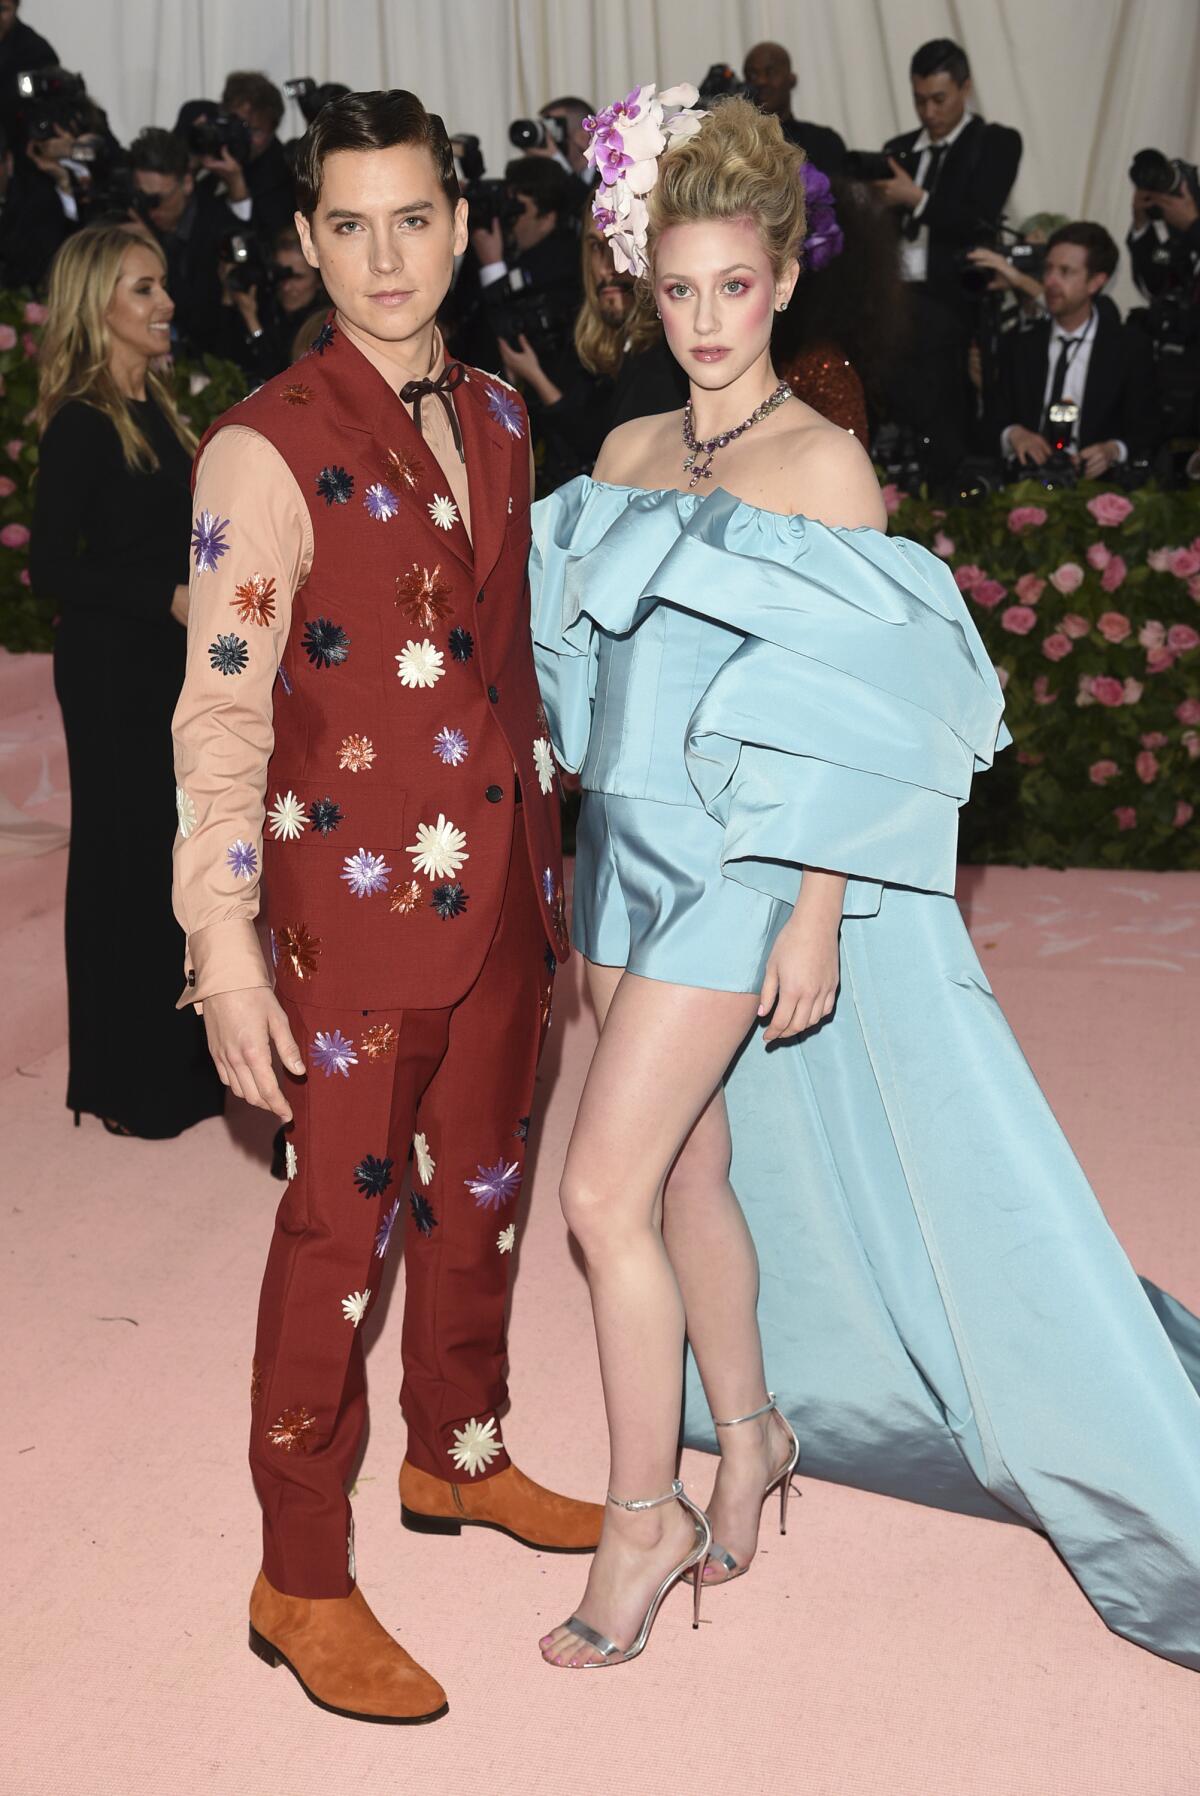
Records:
x=626, y=141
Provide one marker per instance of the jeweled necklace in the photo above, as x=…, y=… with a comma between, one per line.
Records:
x=703, y=471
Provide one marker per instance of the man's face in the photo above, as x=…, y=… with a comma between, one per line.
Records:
x=575, y=142
x=1066, y=281
x=262, y=131
x=8, y=16
x=769, y=73
x=296, y=283
x=384, y=238
x=940, y=103
x=614, y=292
x=528, y=229
x=168, y=194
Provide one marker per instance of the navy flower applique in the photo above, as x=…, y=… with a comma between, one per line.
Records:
x=462, y=644
x=373, y=1175
x=449, y=901
x=335, y=485
x=229, y=654
x=522, y=1129
x=323, y=338
x=325, y=815
x=325, y=643
x=551, y=960
x=422, y=1215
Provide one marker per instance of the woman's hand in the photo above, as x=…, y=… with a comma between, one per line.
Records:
x=179, y=605
x=803, y=972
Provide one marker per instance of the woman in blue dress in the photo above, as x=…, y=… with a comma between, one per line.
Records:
x=777, y=711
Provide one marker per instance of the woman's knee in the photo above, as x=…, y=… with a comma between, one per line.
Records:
x=599, y=1213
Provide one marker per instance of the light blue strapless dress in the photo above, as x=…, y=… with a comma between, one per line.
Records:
x=945, y=1313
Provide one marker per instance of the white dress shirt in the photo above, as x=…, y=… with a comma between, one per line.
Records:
x=1075, y=383
x=914, y=252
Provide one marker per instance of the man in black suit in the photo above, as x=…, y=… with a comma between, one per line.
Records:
x=768, y=70
x=949, y=182
x=1082, y=358
x=260, y=106
x=21, y=49
x=190, y=222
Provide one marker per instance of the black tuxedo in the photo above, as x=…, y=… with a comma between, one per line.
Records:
x=973, y=184
x=824, y=147
x=1118, y=399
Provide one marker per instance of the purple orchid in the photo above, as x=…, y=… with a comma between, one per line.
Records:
x=823, y=238
x=494, y=1184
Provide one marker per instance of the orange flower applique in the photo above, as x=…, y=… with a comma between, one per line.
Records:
x=296, y=394
x=255, y=1382
x=401, y=469
x=406, y=897
x=423, y=596
x=292, y=1430
x=255, y=600
x=356, y=754
x=378, y=1041
x=299, y=949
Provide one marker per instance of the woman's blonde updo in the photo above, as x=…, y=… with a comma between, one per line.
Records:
x=737, y=165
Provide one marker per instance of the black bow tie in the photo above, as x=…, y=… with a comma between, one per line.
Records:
x=452, y=376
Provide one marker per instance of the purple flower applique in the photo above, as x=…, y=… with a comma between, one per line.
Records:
x=365, y=873
x=274, y=950
x=383, y=1236
x=381, y=502
x=228, y=654
x=242, y=859
x=451, y=746
x=335, y=485
x=462, y=644
x=208, y=541
x=548, y=885
x=494, y=1184
x=333, y=1053
x=284, y=681
x=505, y=410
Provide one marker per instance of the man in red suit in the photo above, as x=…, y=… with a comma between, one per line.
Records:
x=360, y=680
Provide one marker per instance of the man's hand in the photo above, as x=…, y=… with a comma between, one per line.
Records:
x=48, y=154
x=1097, y=459
x=1142, y=199
x=1029, y=445
x=242, y=1026
x=524, y=363
x=231, y=172
x=1178, y=209
x=901, y=190
x=488, y=243
x=247, y=305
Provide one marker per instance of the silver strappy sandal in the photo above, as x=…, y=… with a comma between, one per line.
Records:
x=783, y=1478
x=611, y=1652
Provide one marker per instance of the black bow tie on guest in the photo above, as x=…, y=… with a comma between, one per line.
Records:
x=452, y=376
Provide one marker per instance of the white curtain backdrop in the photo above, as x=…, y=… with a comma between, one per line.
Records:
x=1086, y=84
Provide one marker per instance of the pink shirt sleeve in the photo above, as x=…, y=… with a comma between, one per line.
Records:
x=251, y=550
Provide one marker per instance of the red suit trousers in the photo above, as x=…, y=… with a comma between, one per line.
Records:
x=452, y=1090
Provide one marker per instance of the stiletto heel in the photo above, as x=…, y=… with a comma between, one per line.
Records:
x=610, y=1651
x=781, y=1479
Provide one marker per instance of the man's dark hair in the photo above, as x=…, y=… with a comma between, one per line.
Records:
x=158, y=152
x=545, y=183
x=941, y=56
x=1102, y=253
x=570, y=103
x=249, y=87
x=371, y=121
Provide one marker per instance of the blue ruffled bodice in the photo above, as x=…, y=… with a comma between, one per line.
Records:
x=822, y=692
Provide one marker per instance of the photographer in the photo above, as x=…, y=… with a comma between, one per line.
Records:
x=260, y=105
x=190, y=223
x=565, y=142
x=1164, y=237
x=768, y=73
x=1080, y=360
x=524, y=267
x=33, y=220
x=21, y=49
x=265, y=306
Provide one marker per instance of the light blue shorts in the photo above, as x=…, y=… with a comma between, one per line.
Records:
x=650, y=896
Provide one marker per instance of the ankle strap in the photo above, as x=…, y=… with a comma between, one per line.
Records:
x=752, y=1417
x=672, y=1495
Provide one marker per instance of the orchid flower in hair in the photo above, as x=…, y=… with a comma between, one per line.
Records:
x=626, y=140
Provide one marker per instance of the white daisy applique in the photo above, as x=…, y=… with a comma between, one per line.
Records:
x=506, y=1239
x=185, y=810
x=288, y=817
x=420, y=664
x=354, y=1307
x=426, y=1164
x=543, y=761
x=439, y=850
x=475, y=1446
x=443, y=511
x=291, y=1160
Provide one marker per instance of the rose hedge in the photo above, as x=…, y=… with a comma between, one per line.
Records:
x=203, y=391
x=1089, y=603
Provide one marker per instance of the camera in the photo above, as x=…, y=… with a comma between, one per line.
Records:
x=721, y=82
x=248, y=267
x=527, y=134
x=219, y=132
x=1028, y=258
x=868, y=165
x=53, y=101
x=488, y=202
x=544, y=317
x=1155, y=173
x=311, y=95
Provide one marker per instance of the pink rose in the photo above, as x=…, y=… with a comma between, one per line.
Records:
x=1029, y=589
x=1132, y=691
x=29, y=345
x=1100, y=772
x=1157, y=560
x=1181, y=638
x=1027, y=758
x=893, y=498
x=23, y=576
x=1159, y=660
x=8, y=337
x=35, y=313
x=1067, y=578
x=1113, y=626
x=1018, y=619
x=1184, y=813
x=7, y=486
x=1152, y=634
x=988, y=593
x=1183, y=563
x=1191, y=741
x=1042, y=694
x=1098, y=556
x=1056, y=646
x=14, y=536
x=1025, y=517
x=1074, y=625
x=1107, y=691
x=1193, y=583
x=15, y=448
x=1188, y=711
x=1146, y=767
x=943, y=545
x=968, y=576
x=1114, y=574
x=1153, y=739
x=1126, y=816
x=1110, y=508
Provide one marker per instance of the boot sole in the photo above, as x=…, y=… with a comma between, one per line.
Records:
x=271, y=1655
x=450, y=1524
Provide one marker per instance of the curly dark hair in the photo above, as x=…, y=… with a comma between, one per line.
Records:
x=858, y=300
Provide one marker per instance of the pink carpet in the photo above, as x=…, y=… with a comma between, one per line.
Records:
x=880, y=1650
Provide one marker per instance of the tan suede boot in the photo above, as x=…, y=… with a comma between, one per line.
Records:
x=509, y=1502
x=341, y=1657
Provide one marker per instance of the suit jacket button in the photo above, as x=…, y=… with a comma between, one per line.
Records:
x=494, y=694
x=494, y=794
x=191, y=978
